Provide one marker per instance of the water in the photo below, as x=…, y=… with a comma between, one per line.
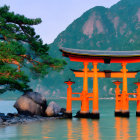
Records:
x=107, y=128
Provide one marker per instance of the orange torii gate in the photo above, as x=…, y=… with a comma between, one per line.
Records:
x=107, y=57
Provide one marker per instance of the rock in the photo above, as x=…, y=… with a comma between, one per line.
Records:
x=36, y=97
x=1, y=120
x=14, y=121
x=12, y=115
x=27, y=106
x=2, y=115
x=63, y=110
x=53, y=109
x=10, y=119
x=31, y=103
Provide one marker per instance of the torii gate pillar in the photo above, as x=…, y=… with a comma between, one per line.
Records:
x=138, y=99
x=95, y=110
x=118, y=100
x=69, y=99
x=125, y=98
x=85, y=102
x=84, y=112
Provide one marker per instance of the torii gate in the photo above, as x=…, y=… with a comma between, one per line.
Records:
x=107, y=57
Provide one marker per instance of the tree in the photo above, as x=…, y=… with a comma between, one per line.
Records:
x=21, y=49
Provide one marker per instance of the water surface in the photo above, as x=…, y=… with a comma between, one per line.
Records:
x=107, y=128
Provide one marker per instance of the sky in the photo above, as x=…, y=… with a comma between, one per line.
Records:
x=56, y=15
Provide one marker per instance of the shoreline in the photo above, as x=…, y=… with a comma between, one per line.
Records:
x=14, y=119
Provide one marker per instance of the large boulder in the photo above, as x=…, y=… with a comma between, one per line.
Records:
x=53, y=109
x=31, y=103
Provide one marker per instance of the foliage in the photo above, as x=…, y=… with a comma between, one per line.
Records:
x=22, y=49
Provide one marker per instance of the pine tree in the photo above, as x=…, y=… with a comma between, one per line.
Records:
x=22, y=52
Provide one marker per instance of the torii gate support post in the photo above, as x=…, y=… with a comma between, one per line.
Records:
x=125, y=98
x=118, y=99
x=84, y=113
x=138, y=99
x=68, y=112
x=95, y=112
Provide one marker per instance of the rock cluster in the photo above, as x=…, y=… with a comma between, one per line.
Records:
x=33, y=103
x=32, y=106
x=10, y=119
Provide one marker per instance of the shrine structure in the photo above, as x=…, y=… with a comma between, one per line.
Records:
x=95, y=57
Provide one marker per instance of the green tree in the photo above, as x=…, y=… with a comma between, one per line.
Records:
x=21, y=49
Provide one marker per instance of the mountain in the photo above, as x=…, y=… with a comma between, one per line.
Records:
x=115, y=28
x=100, y=28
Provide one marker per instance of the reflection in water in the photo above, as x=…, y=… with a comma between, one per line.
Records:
x=118, y=128
x=73, y=130
x=96, y=134
x=26, y=130
x=107, y=128
x=47, y=128
x=69, y=126
x=36, y=130
x=86, y=130
x=122, y=128
x=138, y=128
x=29, y=131
x=125, y=128
x=8, y=132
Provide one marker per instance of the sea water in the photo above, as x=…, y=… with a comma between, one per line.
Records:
x=107, y=127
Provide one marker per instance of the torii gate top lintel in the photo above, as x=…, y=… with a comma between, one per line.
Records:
x=100, y=56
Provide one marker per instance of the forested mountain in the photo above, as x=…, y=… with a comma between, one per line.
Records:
x=100, y=28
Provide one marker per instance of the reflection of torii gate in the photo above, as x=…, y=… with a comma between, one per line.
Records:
x=107, y=57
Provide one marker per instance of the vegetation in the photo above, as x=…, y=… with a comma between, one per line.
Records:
x=21, y=49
